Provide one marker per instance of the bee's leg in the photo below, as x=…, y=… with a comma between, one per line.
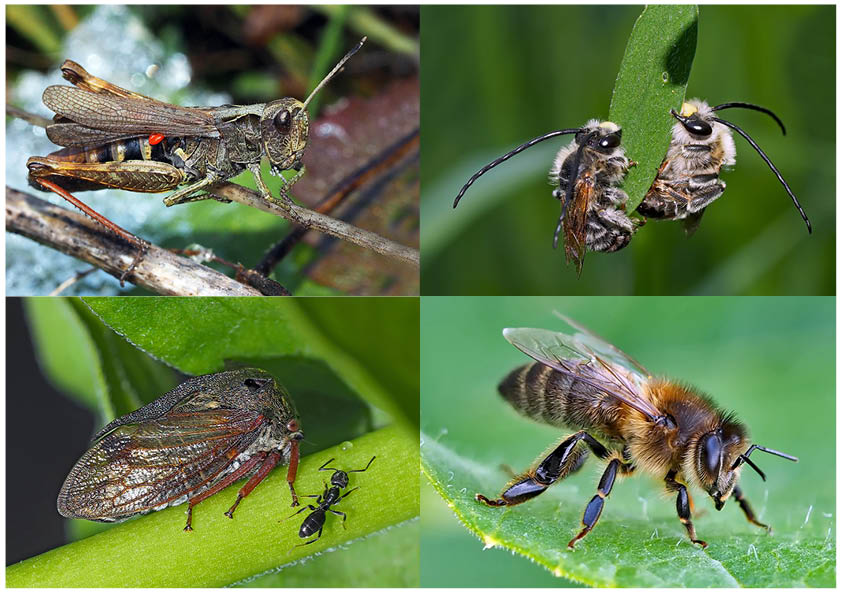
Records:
x=565, y=459
x=594, y=507
x=682, y=506
x=704, y=188
x=741, y=500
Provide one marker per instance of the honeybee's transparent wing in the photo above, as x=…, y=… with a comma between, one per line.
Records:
x=138, y=467
x=568, y=355
x=600, y=346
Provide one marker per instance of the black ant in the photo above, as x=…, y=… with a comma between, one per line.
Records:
x=330, y=497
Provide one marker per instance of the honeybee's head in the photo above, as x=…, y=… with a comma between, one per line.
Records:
x=718, y=456
x=714, y=456
x=284, y=128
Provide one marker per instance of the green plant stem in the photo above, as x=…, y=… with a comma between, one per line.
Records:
x=153, y=551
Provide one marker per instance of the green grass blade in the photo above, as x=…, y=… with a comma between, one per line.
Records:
x=652, y=80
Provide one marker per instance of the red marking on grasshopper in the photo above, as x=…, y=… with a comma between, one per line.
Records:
x=156, y=138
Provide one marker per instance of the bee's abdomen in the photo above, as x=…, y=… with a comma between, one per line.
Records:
x=538, y=392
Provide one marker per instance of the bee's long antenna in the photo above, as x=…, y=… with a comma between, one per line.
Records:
x=574, y=174
x=754, y=107
x=772, y=167
x=330, y=74
x=509, y=155
x=744, y=458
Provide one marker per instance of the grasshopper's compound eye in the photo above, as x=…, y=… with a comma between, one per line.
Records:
x=697, y=126
x=612, y=141
x=283, y=119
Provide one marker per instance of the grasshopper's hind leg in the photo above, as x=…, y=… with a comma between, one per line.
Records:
x=139, y=243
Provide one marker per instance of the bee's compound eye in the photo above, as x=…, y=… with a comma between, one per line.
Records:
x=282, y=119
x=612, y=141
x=697, y=126
x=711, y=454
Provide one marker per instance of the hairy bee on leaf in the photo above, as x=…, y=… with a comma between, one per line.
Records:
x=585, y=174
x=688, y=179
x=626, y=417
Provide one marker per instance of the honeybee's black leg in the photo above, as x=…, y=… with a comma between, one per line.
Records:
x=682, y=506
x=738, y=496
x=594, y=507
x=565, y=459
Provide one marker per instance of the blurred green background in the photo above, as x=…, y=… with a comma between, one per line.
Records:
x=494, y=77
x=769, y=359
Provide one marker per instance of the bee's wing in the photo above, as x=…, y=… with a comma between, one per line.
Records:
x=128, y=115
x=576, y=220
x=138, y=467
x=600, y=346
x=576, y=359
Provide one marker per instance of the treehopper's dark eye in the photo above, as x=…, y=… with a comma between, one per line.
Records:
x=282, y=119
x=697, y=126
x=255, y=383
x=712, y=454
x=612, y=141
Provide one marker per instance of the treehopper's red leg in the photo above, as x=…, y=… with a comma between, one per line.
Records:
x=227, y=481
x=293, y=470
x=269, y=463
x=140, y=244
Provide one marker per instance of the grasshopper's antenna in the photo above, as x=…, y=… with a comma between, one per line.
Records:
x=331, y=74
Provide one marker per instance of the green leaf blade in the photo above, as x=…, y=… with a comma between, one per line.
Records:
x=652, y=80
x=642, y=545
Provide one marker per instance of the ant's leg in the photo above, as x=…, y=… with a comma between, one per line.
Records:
x=682, y=506
x=565, y=459
x=738, y=496
x=339, y=513
x=594, y=507
x=302, y=509
x=314, y=540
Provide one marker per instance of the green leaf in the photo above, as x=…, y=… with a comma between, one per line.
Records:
x=626, y=549
x=153, y=551
x=198, y=336
x=652, y=80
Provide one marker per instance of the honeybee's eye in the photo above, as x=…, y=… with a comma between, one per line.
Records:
x=711, y=455
x=282, y=119
x=612, y=141
x=697, y=126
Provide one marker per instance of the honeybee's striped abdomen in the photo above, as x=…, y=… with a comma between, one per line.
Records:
x=548, y=396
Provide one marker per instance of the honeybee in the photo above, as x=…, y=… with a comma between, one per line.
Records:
x=626, y=417
x=585, y=174
x=688, y=179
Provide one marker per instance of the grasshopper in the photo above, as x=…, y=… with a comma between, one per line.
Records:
x=116, y=138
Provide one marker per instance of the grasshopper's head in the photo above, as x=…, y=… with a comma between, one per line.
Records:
x=284, y=128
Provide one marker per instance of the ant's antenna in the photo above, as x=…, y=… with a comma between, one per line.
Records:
x=330, y=74
x=510, y=154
